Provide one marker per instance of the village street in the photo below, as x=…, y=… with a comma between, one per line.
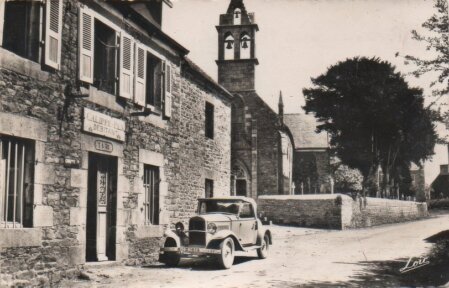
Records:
x=299, y=256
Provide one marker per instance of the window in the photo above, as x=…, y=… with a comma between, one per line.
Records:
x=105, y=58
x=154, y=82
x=246, y=211
x=23, y=29
x=209, y=188
x=209, y=121
x=16, y=182
x=151, y=186
x=142, y=78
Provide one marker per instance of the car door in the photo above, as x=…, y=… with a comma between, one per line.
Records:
x=247, y=225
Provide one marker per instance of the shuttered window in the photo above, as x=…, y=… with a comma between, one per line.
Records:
x=21, y=29
x=16, y=182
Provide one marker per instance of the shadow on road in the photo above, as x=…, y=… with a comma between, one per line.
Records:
x=388, y=273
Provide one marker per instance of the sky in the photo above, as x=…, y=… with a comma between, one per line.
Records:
x=300, y=39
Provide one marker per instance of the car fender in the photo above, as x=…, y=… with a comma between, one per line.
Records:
x=223, y=234
x=170, y=234
x=261, y=231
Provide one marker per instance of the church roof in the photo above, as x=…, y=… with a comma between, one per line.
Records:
x=303, y=127
x=236, y=4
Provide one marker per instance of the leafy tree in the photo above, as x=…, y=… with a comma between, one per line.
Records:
x=347, y=180
x=373, y=117
x=436, y=40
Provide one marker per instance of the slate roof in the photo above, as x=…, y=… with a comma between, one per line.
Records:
x=303, y=128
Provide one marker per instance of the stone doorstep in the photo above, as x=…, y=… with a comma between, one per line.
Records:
x=101, y=264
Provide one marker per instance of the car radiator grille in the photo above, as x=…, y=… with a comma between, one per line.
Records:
x=195, y=236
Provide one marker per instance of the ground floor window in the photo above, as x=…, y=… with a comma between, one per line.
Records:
x=151, y=182
x=16, y=182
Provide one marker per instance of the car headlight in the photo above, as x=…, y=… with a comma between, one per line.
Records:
x=179, y=227
x=211, y=228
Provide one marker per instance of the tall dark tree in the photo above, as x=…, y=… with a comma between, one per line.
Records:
x=373, y=117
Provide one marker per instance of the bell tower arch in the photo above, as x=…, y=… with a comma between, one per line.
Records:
x=237, y=73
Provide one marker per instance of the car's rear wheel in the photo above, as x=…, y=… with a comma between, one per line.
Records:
x=262, y=252
x=226, y=259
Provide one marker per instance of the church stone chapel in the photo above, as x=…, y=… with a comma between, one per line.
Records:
x=262, y=145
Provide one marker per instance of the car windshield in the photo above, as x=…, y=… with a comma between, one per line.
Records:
x=229, y=207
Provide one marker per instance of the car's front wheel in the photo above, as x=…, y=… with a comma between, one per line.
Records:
x=262, y=252
x=226, y=258
x=171, y=259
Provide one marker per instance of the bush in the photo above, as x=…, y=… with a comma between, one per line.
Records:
x=438, y=204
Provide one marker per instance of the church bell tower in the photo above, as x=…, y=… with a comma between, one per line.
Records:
x=236, y=48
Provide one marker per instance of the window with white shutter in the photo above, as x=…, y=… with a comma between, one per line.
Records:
x=53, y=32
x=140, y=75
x=126, y=65
x=86, y=45
x=167, y=89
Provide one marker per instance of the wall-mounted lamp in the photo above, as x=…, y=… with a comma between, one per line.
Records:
x=74, y=92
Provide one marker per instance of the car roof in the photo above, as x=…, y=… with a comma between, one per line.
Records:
x=230, y=198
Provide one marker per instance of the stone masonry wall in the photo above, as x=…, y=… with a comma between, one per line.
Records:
x=268, y=141
x=33, y=96
x=337, y=211
x=319, y=211
x=237, y=75
x=367, y=212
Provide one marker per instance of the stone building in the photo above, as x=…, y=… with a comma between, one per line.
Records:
x=440, y=186
x=311, y=162
x=261, y=144
x=108, y=134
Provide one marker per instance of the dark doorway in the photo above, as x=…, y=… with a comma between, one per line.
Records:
x=240, y=187
x=101, y=208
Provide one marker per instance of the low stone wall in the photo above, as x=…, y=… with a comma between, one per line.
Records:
x=337, y=211
x=368, y=212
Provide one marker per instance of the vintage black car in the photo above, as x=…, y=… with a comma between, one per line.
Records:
x=222, y=227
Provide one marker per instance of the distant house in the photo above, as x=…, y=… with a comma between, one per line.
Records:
x=311, y=160
x=440, y=186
